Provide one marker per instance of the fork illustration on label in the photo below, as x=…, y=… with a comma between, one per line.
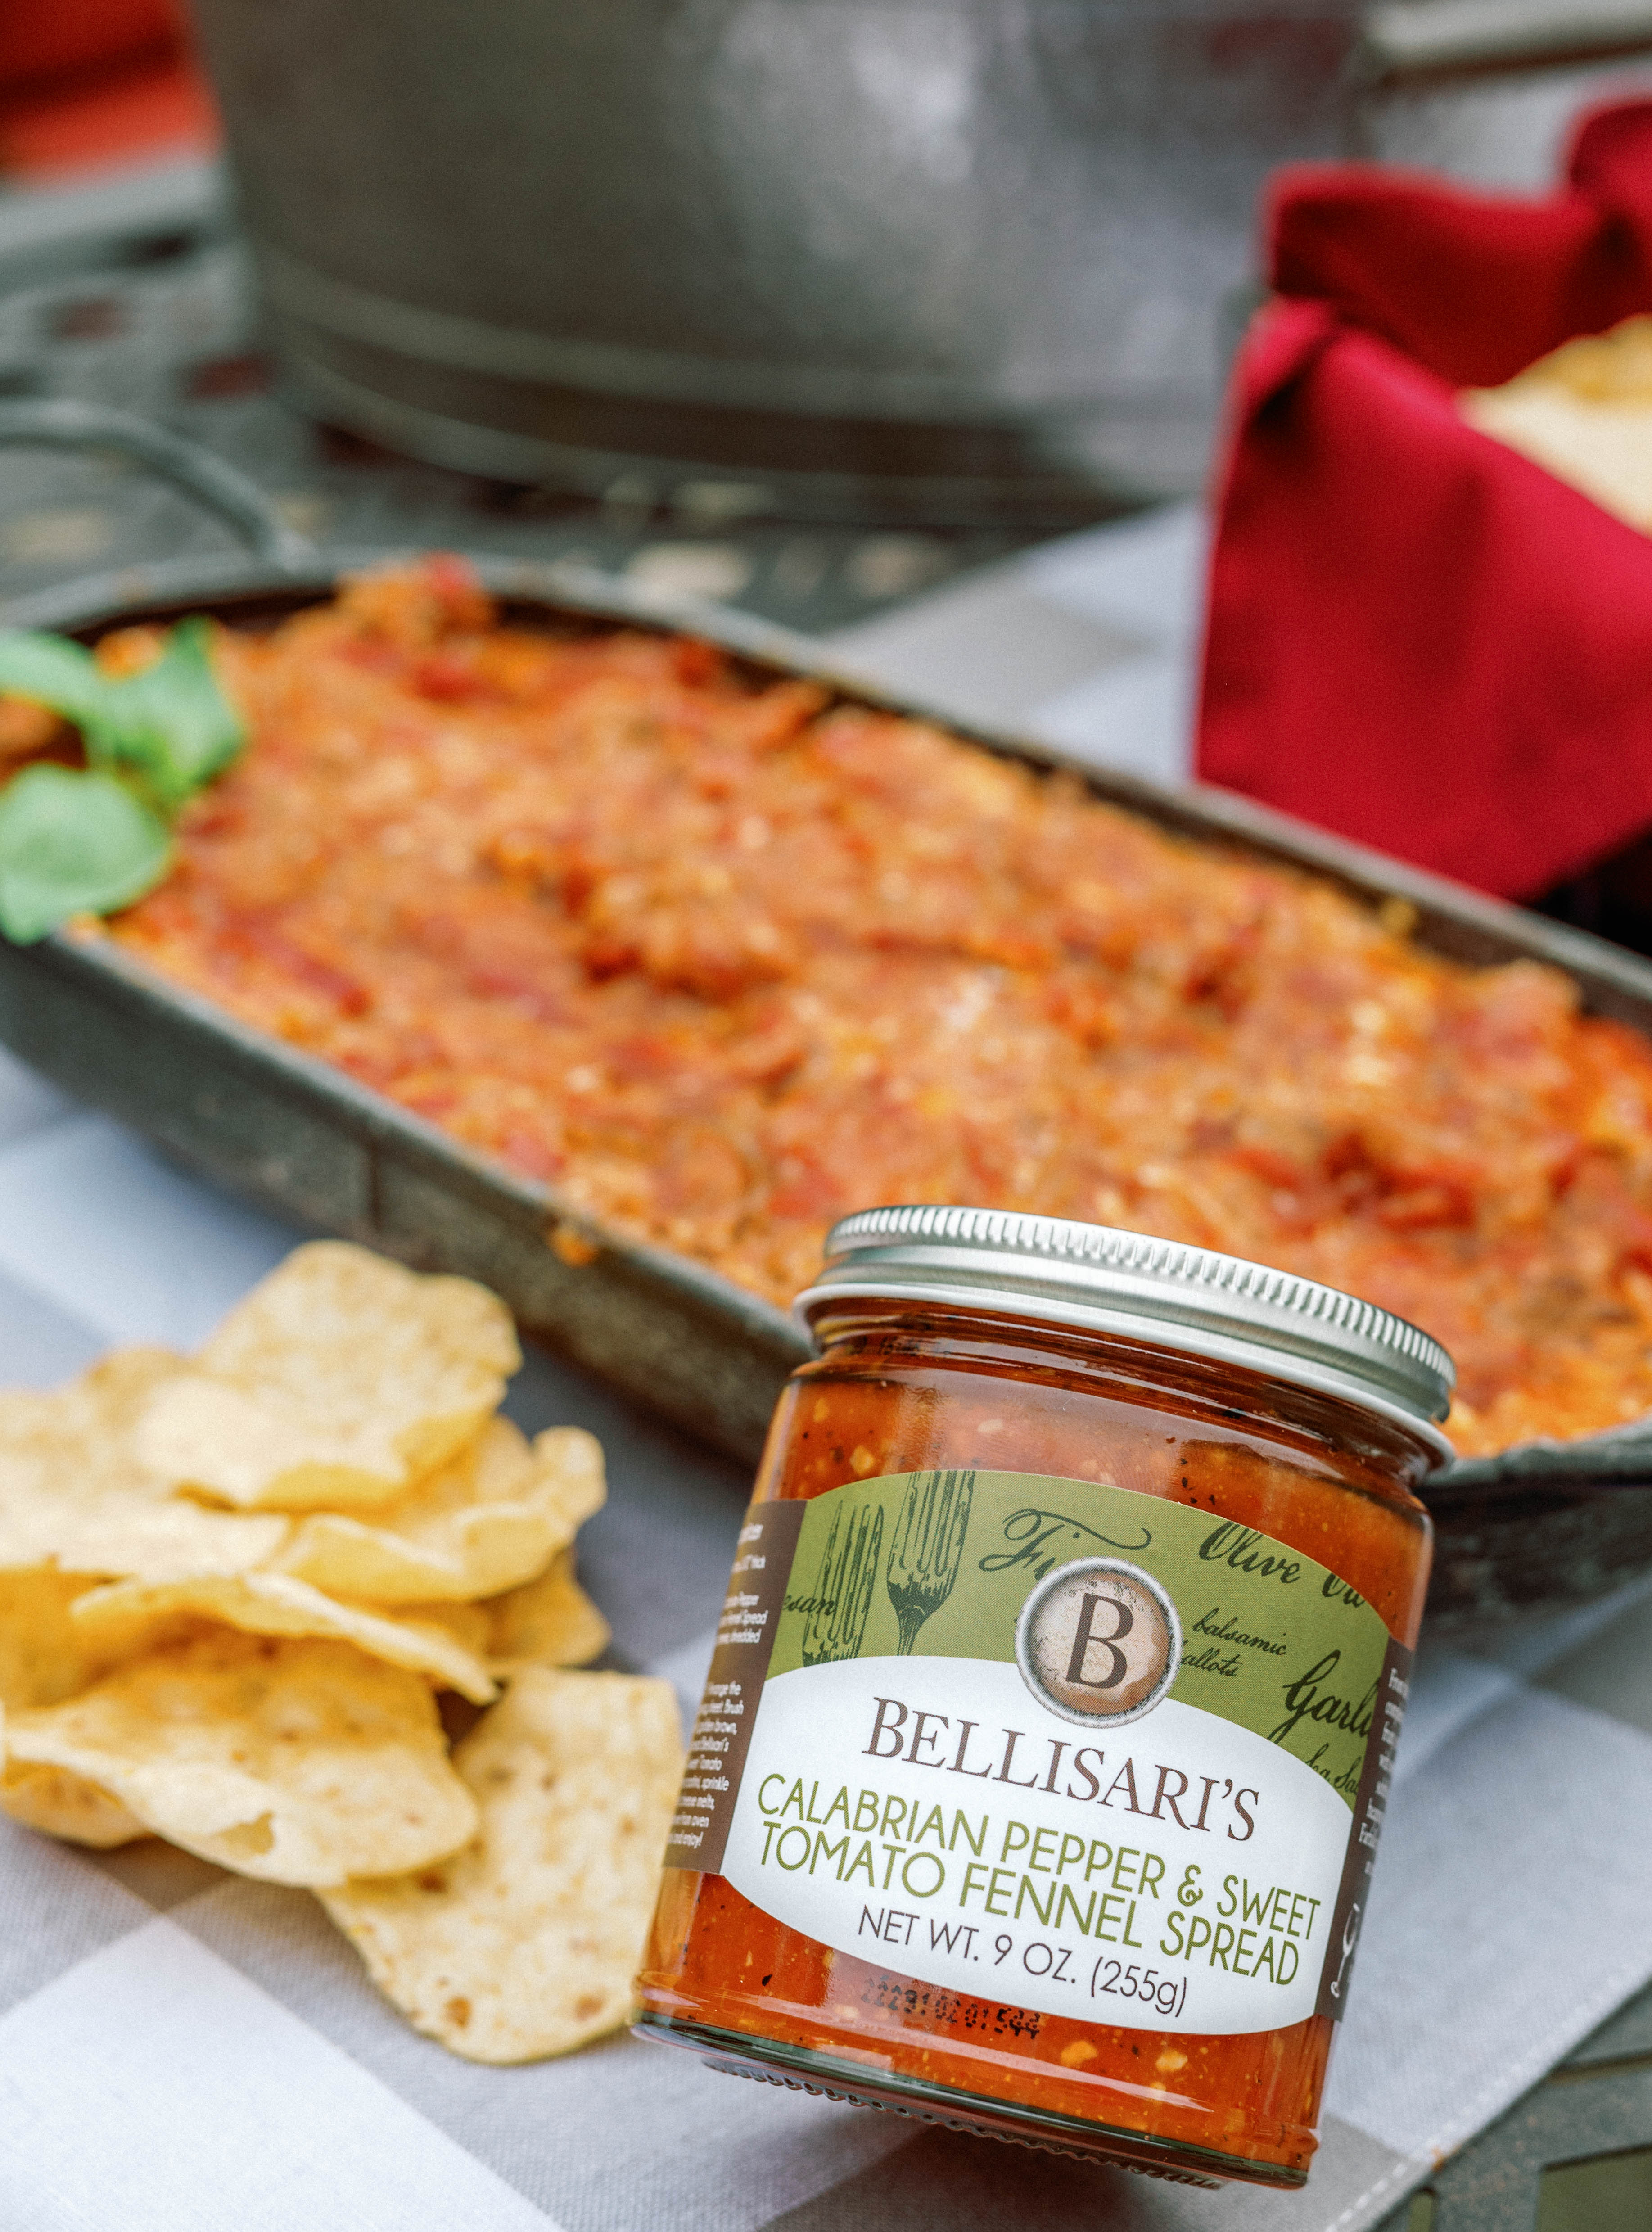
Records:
x=843, y=1591
x=927, y=1549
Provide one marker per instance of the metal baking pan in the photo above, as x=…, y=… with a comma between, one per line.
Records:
x=1544, y=1522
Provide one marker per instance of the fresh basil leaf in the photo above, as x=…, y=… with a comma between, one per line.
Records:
x=52, y=671
x=71, y=843
x=171, y=723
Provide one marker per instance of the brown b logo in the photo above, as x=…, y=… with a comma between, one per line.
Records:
x=1098, y=1640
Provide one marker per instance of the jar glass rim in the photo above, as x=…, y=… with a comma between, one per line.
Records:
x=1190, y=1300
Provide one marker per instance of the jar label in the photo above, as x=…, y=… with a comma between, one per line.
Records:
x=1049, y=1741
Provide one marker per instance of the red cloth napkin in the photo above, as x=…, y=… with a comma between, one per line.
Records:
x=88, y=83
x=1416, y=636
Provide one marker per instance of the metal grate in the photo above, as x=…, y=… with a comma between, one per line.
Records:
x=168, y=326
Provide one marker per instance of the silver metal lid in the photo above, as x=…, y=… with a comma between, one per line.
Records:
x=1188, y=1299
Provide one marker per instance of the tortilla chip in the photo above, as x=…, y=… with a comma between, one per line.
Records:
x=551, y=1622
x=73, y=1490
x=126, y=1616
x=494, y=1517
x=525, y=1943
x=64, y=1804
x=44, y=1657
x=89, y=1419
x=294, y=1762
x=341, y=1381
x=174, y=1540
x=468, y=1625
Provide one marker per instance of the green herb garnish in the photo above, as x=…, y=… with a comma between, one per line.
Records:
x=85, y=841
x=73, y=843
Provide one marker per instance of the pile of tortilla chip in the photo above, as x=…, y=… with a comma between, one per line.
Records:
x=231, y=1587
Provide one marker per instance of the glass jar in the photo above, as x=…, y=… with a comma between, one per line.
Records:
x=1045, y=1746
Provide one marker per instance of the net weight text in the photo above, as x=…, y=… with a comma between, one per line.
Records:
x=1148, y=1986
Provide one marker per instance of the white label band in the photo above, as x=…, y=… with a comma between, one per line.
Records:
x=929, y=1816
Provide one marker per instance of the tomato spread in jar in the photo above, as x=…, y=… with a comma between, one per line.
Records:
x=1039, y=1770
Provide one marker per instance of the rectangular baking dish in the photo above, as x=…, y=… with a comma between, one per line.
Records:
x=305, y=1139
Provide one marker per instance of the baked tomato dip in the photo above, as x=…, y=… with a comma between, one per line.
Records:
x=724, y=958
